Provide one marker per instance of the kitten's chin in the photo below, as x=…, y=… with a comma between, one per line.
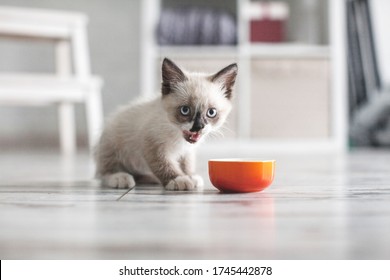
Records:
x=191, y=137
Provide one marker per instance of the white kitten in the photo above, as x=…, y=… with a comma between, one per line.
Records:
x=154, y=141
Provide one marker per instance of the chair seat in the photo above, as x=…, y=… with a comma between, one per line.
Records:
x=28, y=22
x=38, y=89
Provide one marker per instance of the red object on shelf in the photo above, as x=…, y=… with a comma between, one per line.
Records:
x=267, y=30
x=267, y=20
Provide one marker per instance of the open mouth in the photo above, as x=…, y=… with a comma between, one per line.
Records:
x=191, y=137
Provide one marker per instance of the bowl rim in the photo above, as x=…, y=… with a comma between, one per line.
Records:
x=241, y=160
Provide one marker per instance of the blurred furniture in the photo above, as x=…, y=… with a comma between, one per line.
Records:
x=268, y=21
x=205, y=27
x=72, y=83
x=290, y=95
x=369, y=99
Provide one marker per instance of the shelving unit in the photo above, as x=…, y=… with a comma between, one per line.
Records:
x=280, y=50
x=294, y=55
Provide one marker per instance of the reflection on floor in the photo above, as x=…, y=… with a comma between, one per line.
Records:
x=319, y=207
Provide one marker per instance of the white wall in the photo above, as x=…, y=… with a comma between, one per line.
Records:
x=114, y=42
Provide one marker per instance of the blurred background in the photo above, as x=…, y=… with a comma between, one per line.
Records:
x=313, y=74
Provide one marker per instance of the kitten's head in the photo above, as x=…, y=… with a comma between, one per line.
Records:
x=197, y=103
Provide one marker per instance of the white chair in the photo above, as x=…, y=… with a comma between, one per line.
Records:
x=72, y=82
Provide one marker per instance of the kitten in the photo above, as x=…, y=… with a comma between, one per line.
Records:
x=153, y=141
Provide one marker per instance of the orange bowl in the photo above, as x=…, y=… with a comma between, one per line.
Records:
x=241, y=175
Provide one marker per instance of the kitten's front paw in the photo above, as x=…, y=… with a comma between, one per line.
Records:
x=198, y=181
x=120, y=180
x=181, y=183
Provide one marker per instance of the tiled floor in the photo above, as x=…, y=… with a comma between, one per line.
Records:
x=319, y=207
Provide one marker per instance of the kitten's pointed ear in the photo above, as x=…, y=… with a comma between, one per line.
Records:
x=226, y=77
x=171, y=75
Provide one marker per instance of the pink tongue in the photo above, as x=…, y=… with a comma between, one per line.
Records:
x=195, y=136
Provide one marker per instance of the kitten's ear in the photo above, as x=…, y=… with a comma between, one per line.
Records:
x=171, y=75
x=226, y=77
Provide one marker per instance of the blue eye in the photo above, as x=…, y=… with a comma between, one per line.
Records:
x=185, y=110
x=212, y=112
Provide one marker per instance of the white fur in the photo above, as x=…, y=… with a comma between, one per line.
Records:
x=185, y=182
x=120, y=180
x=148, y=141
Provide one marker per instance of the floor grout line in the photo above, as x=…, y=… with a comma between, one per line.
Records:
x=125, y=193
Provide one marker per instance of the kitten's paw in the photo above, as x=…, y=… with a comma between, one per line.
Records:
x=181, y=183
x=120, y=180
x=198, y=181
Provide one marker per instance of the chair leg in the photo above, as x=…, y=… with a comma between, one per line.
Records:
x=94, y=111
x=67, y=128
